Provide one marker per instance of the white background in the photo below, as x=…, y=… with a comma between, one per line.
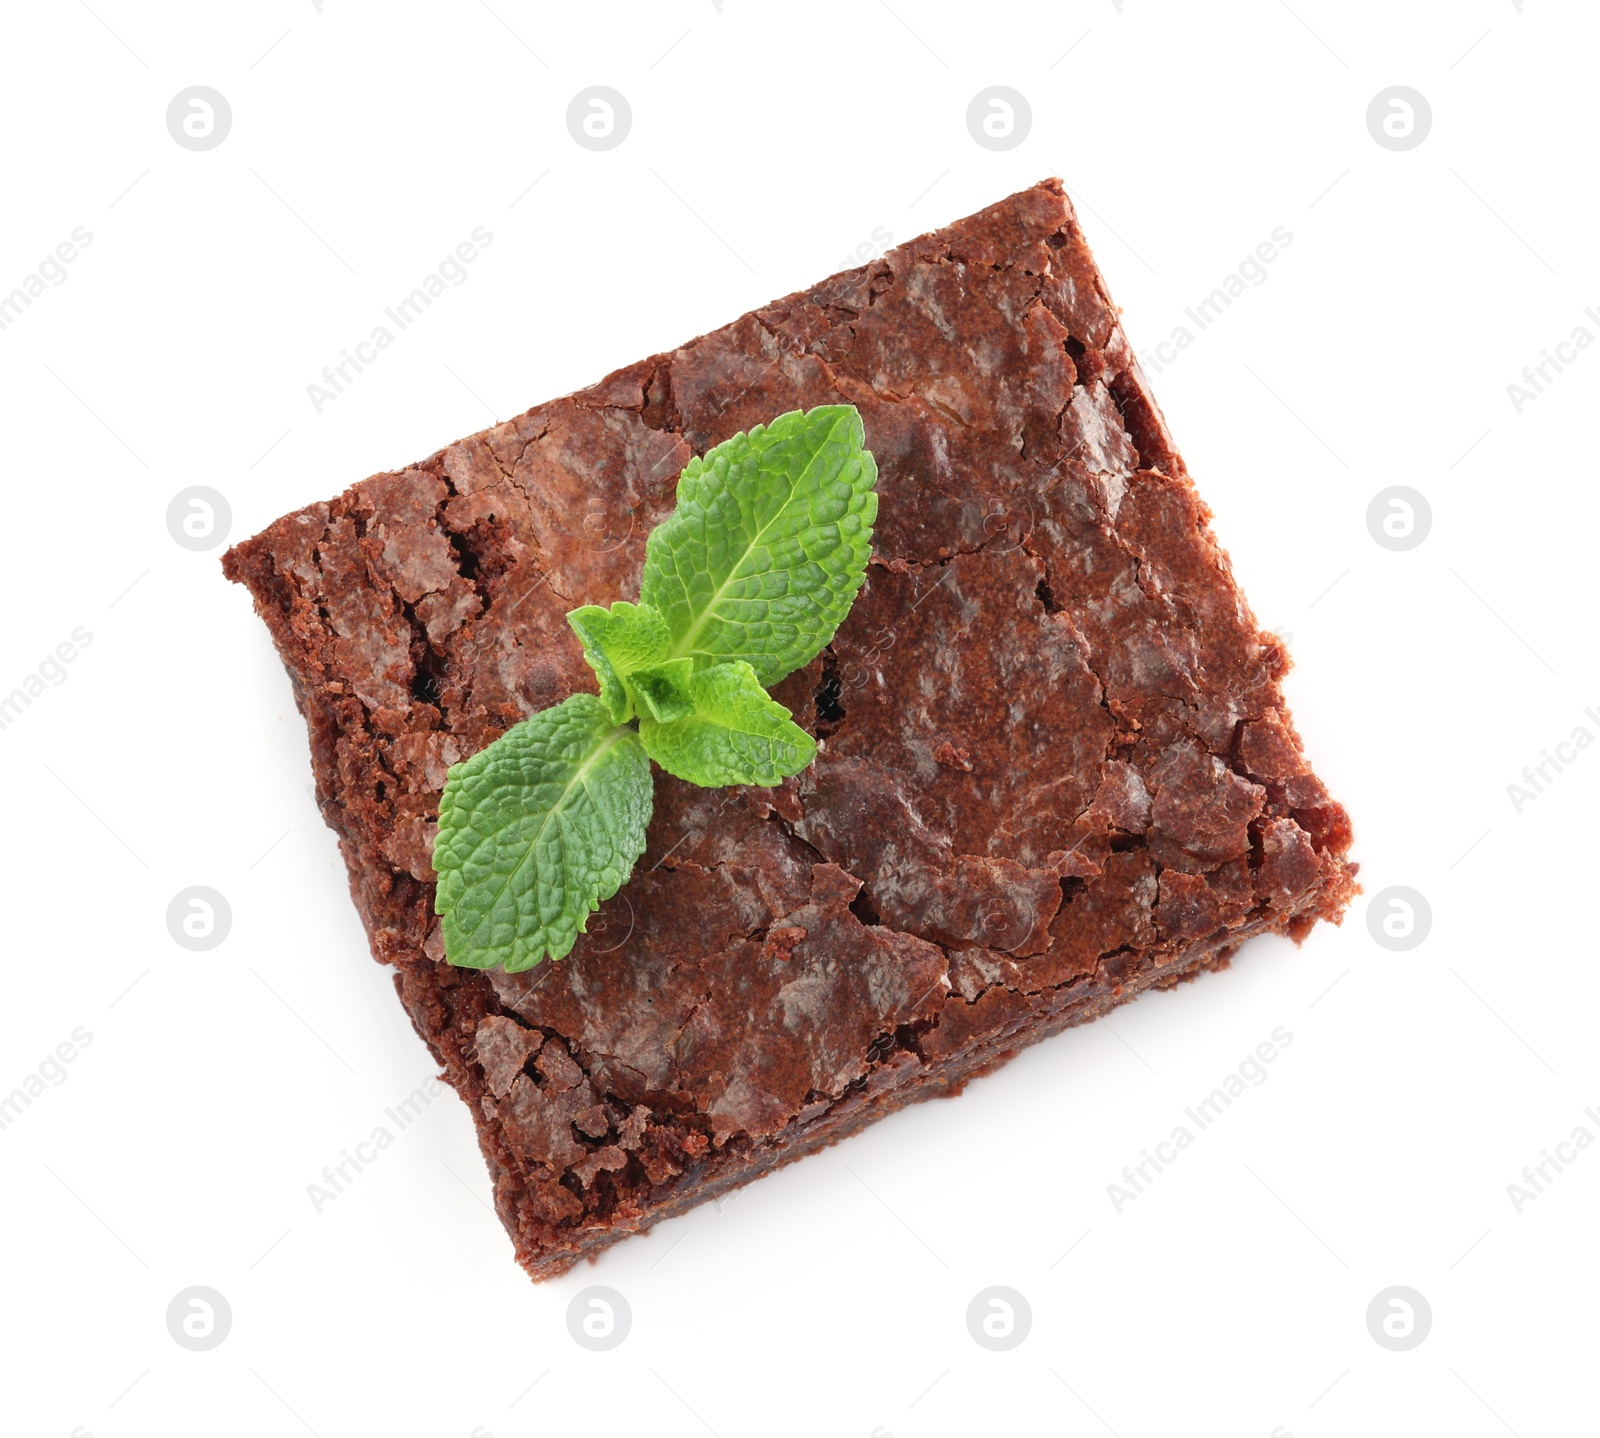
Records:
x=768, y=141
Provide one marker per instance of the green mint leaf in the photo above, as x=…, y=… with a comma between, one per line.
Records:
x=535, y=831
x=738, y=733
x=766, y=549
x=663, y=691
x=616, y=642
x=748, y=579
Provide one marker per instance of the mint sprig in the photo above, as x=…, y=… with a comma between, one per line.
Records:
x=743, y=583
x=537, y=829
x=733, y=733
x=764, y=553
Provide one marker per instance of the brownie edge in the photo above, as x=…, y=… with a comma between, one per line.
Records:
x=1055, y=766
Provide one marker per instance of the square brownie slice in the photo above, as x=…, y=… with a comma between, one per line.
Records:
x=1055, y=768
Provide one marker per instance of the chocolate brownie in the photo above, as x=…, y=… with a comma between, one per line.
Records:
x=1054, y=770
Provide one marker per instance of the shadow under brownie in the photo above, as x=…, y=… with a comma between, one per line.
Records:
x=1054, y=769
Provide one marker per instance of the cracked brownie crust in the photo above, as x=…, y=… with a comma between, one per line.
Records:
x=1055, y=766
